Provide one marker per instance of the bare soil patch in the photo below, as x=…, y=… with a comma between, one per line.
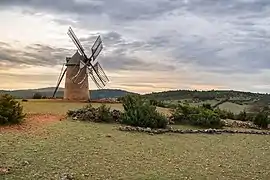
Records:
x=33, y=123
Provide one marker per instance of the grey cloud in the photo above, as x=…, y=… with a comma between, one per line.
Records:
x=121, y=62
x=116, y=42
x=224, y=37
x=124, y=10
x=43, y=55
x=35, y=54
x=120, y=57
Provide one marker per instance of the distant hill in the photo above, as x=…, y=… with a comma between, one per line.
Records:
x=234, y=96
x=95, y=94
x=237, y=97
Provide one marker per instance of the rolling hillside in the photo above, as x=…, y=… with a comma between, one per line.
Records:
x=95, y=94
x=234, y=96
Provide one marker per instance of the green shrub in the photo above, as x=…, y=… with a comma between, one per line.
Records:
x=11, y=111
x=207, y=106
x=104, y=113
x=261, y=119
x=197, y=116
x=206, y=118
x=242, y=116
x=224, y=114
x=139, y=112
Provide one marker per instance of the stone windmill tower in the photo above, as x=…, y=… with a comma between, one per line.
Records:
x=78, y=68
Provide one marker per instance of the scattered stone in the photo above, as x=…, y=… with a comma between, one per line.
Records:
x=25, y=163
x=92, y=114
x=85, y=175
x=191, y=131
x=66, y=176
x=240, y=124
x=108, y=135
x=4, y=170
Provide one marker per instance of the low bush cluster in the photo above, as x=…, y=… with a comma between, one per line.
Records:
x=223, y=114
x=198, y=116
x=140, y=112
x=11, y=111
x=137, y=112
x=100, y=114
x=262, y=119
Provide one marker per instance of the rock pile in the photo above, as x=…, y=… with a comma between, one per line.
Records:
x=190, y=131
x=116, y=114
x=240, y=124
x=93, y=114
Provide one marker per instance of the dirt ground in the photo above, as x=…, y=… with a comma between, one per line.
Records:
x=33, y=123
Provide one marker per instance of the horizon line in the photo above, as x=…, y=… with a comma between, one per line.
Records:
x=200, y=90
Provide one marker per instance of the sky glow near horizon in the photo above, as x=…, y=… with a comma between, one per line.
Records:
x=149, y=45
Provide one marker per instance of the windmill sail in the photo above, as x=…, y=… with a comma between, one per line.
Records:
x=76, y=41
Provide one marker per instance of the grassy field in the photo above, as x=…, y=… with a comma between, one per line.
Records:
x=58, y=107
x=100, y=151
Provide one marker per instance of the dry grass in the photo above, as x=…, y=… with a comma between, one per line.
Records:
x=100, y=151
x=86, y=149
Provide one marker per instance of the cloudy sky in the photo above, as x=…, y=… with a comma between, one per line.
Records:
x=149, y=45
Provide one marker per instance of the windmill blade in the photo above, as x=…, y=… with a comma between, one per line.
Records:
x=96, y=79
x=81, y=51
x=100, y=83
x=76, y=42
x=74, y=37
x=59, y=82
x=97, y=52
x=101, y=72
x=96, y=44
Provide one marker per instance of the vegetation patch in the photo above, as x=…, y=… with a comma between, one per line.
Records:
x=137, y=112
x=202, y=116
x=140, y=112
x=11, y=111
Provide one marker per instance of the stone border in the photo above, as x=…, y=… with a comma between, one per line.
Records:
x=190, y=131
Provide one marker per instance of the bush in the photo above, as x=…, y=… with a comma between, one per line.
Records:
x=224, y=114
x=139, y=112
x=206, y=118
x=197, y=116
x=207, y=106
x=261, y=120
x=104, y=113
x=242, y=116
x=11, y=112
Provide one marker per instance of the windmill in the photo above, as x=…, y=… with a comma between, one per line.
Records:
x=78, y=68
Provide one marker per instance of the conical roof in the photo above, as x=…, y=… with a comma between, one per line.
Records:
x=74, y=60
